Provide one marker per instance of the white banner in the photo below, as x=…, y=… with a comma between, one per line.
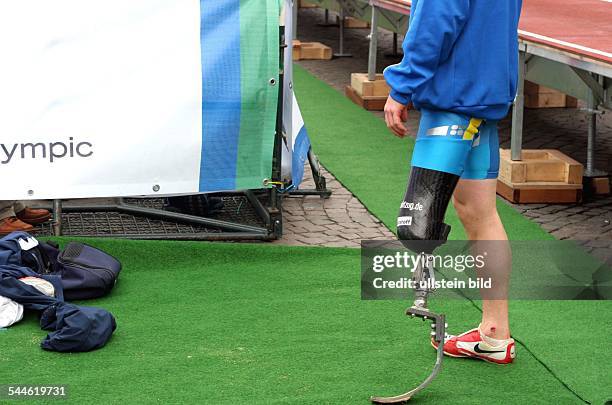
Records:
x=99, y=98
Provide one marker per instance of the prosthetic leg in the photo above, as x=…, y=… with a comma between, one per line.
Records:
x=421, y=228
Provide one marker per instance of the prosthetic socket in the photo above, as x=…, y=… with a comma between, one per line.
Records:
x=420, y=224
x=421, y=216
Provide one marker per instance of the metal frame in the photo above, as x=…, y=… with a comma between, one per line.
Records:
x=320, y=182
x=584, y=78
x=231, y=230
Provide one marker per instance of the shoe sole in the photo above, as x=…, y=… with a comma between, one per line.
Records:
x=468, y=355
x=36, y=221
x=473, y=356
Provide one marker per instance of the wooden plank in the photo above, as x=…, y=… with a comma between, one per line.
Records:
x=297, y=49
x=368, y=88
x=368, y=103
x=545, y=185
x=549, y=196
x=311, y=50
x=545, y=192
x=574, y=169
x=512, y=172
x=540, y=165
x=544, y=170
x=350, y=22
x=537, y=96
x=507, y=192
x=601, y=185
x=305, y=4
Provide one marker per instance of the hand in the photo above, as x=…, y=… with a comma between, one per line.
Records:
x=395, y=116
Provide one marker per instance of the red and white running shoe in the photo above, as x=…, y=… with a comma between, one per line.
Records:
x=476, y=345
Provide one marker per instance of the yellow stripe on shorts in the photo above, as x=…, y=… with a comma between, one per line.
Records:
x=472, y=129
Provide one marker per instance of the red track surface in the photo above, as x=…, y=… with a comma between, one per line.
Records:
x=582, y=27
x=571, y=25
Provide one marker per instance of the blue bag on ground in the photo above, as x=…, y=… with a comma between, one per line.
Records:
x=86, y=272
x=75, y=328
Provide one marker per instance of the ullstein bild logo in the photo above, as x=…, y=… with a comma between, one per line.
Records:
x=52, y=150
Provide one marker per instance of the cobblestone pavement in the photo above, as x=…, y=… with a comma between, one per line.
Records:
x=563, y=129
x=340, y=221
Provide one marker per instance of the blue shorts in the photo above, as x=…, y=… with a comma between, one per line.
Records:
x=458, y=144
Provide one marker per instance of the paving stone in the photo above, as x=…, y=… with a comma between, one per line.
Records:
x=369, y=235
x=332, y=211
x=346, y=243
x=350, y=236
x=531, y=214
x=554, y=225
x=601, y=243
x=296, y=231
x=335, y=232
x=312, y=228
x=321, y=221
x=576, y=210
x=544, y=218
x=550, y=209
x=570, y=219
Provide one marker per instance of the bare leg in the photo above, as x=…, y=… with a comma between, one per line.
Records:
x=475, y=203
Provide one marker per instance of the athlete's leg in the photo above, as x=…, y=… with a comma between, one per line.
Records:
x=475, y=203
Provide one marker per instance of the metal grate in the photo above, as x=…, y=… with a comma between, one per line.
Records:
x=237, y=209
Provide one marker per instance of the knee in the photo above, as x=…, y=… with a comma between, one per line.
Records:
x=472, y=214
x=465, y=212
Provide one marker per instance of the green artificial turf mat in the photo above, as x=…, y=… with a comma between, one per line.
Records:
x=573, y=339
x=253, y=323
x=366, y=158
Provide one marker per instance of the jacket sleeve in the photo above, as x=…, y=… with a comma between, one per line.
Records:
x=435, y=25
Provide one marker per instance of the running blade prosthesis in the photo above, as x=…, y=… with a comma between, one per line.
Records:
x=423, y=278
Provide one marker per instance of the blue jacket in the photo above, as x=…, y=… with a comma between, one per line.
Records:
x=459, y=56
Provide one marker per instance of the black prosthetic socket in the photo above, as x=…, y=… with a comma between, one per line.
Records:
x=420, y=224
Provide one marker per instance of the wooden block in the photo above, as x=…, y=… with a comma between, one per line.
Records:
x=537, y=96
x=542, y=176
x=305, y=4
x=545, y=192
x=601, y=185
x=573, y=170
x=370, y=103
x=297, y=49
x=312, y=50
x=350, y=22
x=367, y=88
x=544, y=165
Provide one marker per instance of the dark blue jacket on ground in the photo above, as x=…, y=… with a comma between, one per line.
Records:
x=459, y=56
x=73, y=328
